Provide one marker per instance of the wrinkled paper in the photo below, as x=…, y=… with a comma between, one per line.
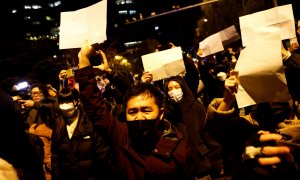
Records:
x=84, y=24
x=164, y=64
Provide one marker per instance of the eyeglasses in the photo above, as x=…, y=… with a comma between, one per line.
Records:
x=36, y=93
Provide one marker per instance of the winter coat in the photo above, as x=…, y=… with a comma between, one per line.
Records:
x=188, y=116
x=44, y=133
x=84, y=156
x=166, y=161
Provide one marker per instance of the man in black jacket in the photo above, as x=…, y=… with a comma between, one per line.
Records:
x=78, y=151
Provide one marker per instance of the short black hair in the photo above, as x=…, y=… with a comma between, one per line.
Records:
x=68, y=94
x=145, y=88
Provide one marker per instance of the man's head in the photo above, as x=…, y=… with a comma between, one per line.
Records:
x=36, y=93
x=144, y=113
x=144, y=102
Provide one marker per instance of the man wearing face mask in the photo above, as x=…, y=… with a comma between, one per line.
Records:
x=146, y=146
x=78, y=151
x=188, y=115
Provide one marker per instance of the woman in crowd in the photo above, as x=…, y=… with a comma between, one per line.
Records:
x=188, y=115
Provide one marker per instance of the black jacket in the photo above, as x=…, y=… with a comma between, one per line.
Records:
x=84, y=156
x=292, y=72
x=189, y=117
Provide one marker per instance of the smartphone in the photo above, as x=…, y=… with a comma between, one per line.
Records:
x=69, y=73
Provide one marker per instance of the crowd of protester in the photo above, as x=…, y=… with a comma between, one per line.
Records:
x=102, y=124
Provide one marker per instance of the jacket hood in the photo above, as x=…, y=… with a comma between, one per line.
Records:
x=187, y=93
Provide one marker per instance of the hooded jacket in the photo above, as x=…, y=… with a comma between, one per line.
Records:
x=188, y=116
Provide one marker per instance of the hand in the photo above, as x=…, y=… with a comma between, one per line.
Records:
x=147, y=77
x=104, y=66
x=32, y=128
x=26, y=103
x=231, y=83
x=273, y=154
x=231, y=87
x=62, y=75
x=84, y=55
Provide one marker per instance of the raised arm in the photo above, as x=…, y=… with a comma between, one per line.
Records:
x=231, y=86
x=118, y=79
x=90, y=95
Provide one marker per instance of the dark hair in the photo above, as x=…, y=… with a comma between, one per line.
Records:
x=35, y=85
x=96, y=58
x=178, y=79
x=41, y=89
x=68, y=94
x=145, y=88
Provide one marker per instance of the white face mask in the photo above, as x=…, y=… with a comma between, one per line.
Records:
x=176, y=94
x=67, y=110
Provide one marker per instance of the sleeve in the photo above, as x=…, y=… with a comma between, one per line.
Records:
x=90, y=97
x=103, y=158
x=119, y=80
x=55, y=164
x=213, y=113
x=41, y=130
x=96, y=108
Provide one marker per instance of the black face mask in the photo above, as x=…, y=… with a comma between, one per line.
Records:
x=143, y=134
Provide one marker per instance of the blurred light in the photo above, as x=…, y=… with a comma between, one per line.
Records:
x=36, y=22
x=57, y=3
x=124, y=61
x=21, y=85
x=123, y=12
x=14, y=11
x=27, y=7
x=118, y=2
x=48, y=18
x=118, y=57
x=156, y=28
x=132, y=12
x=132, y=43
x=36, y=6
x=205, y=20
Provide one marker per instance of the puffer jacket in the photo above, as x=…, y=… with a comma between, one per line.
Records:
x=84, y=156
